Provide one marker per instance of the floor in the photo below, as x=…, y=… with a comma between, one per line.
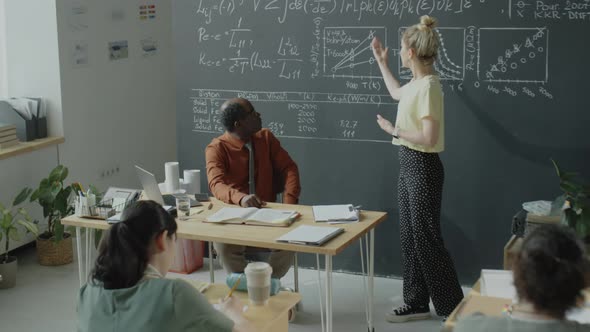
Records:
x=44, y=299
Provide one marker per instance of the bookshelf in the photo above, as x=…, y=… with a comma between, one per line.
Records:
x=26, y=147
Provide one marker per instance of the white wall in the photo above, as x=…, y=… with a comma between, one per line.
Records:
x=2, y=51
x=32, y=56
x=112, y=114
x=117, y=113
x=32, y=69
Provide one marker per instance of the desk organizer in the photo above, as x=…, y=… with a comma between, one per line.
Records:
x=26, y=130
x=86, y=207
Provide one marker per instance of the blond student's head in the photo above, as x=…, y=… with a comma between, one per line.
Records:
x=420, y=43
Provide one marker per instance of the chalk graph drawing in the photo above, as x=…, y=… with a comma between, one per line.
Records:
x=348, y=53
x=513, y=55
x=450, y=64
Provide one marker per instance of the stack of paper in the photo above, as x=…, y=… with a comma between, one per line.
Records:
x=311, y=235
x=7, y=135
x=498, y=283
x=335, y=213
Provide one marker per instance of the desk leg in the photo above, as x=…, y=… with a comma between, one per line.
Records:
x=79, y=250
x=296, y=274
x=329, y=321
x=296, y=279
x=371, y=278
x=91, y=249
x=211, y=271
x=87, y=252
x=317, y=257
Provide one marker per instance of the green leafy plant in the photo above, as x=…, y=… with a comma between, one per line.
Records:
x=13, y=220
x=54, y=197
x=574, y=202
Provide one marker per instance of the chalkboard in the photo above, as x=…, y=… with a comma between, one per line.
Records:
x=515, y=78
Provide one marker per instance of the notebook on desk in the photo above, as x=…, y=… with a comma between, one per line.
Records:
x=311, y=235
x=345, y=213
x=253, y=216
x=498, y=283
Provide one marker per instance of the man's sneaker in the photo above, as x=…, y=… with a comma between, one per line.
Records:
x=407, y=313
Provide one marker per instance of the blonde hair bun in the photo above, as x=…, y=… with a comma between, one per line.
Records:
x=427, y=21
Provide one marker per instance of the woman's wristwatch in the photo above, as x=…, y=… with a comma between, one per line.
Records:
x=395, y=132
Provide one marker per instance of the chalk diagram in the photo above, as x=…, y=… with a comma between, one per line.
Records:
x=513, y=55
x=450, y=64
x=348, y=53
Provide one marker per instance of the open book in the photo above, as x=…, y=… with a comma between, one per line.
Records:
x=253, y=216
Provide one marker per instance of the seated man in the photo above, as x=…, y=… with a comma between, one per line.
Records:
x=236, y=178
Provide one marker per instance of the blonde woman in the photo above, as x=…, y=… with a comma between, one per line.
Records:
x=429, y=272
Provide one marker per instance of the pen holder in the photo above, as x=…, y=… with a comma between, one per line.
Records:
x=41, y=127
x=83, y=205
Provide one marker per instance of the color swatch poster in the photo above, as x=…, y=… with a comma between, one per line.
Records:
x=147, y=12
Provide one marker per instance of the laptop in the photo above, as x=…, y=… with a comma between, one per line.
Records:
x=152, y=191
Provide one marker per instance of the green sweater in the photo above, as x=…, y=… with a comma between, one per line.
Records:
x=481, y=323
x=151, y=305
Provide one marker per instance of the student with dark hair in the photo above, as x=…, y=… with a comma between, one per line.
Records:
x=127, y=290
x=549, y=278
x=247, y=166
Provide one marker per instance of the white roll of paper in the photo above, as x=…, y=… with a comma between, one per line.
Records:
x=172, y=176
x=192, y=181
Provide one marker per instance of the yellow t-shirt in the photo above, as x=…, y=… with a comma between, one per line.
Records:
x=419, y=99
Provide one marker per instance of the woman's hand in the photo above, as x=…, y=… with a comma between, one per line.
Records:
x=232, y=307
x=385, y=124
x=379, y=52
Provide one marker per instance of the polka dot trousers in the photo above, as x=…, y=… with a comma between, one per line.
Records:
x=428, y=268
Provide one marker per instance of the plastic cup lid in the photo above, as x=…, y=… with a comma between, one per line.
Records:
x=258, y=267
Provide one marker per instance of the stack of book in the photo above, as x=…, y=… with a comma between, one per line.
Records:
x=7, y=136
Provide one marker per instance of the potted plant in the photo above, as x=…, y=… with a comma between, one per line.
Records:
x=54, y=246
x=12, y=221
x=574, y=203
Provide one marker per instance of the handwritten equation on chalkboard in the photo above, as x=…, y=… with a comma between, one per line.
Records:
x=303, y=44
x=304, y=115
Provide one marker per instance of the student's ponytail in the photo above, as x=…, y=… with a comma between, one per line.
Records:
x=124, y=254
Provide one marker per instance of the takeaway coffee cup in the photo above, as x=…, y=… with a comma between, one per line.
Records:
x=258, y=279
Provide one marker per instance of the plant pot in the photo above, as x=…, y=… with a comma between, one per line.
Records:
x=53, y=253
x=8, y=273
